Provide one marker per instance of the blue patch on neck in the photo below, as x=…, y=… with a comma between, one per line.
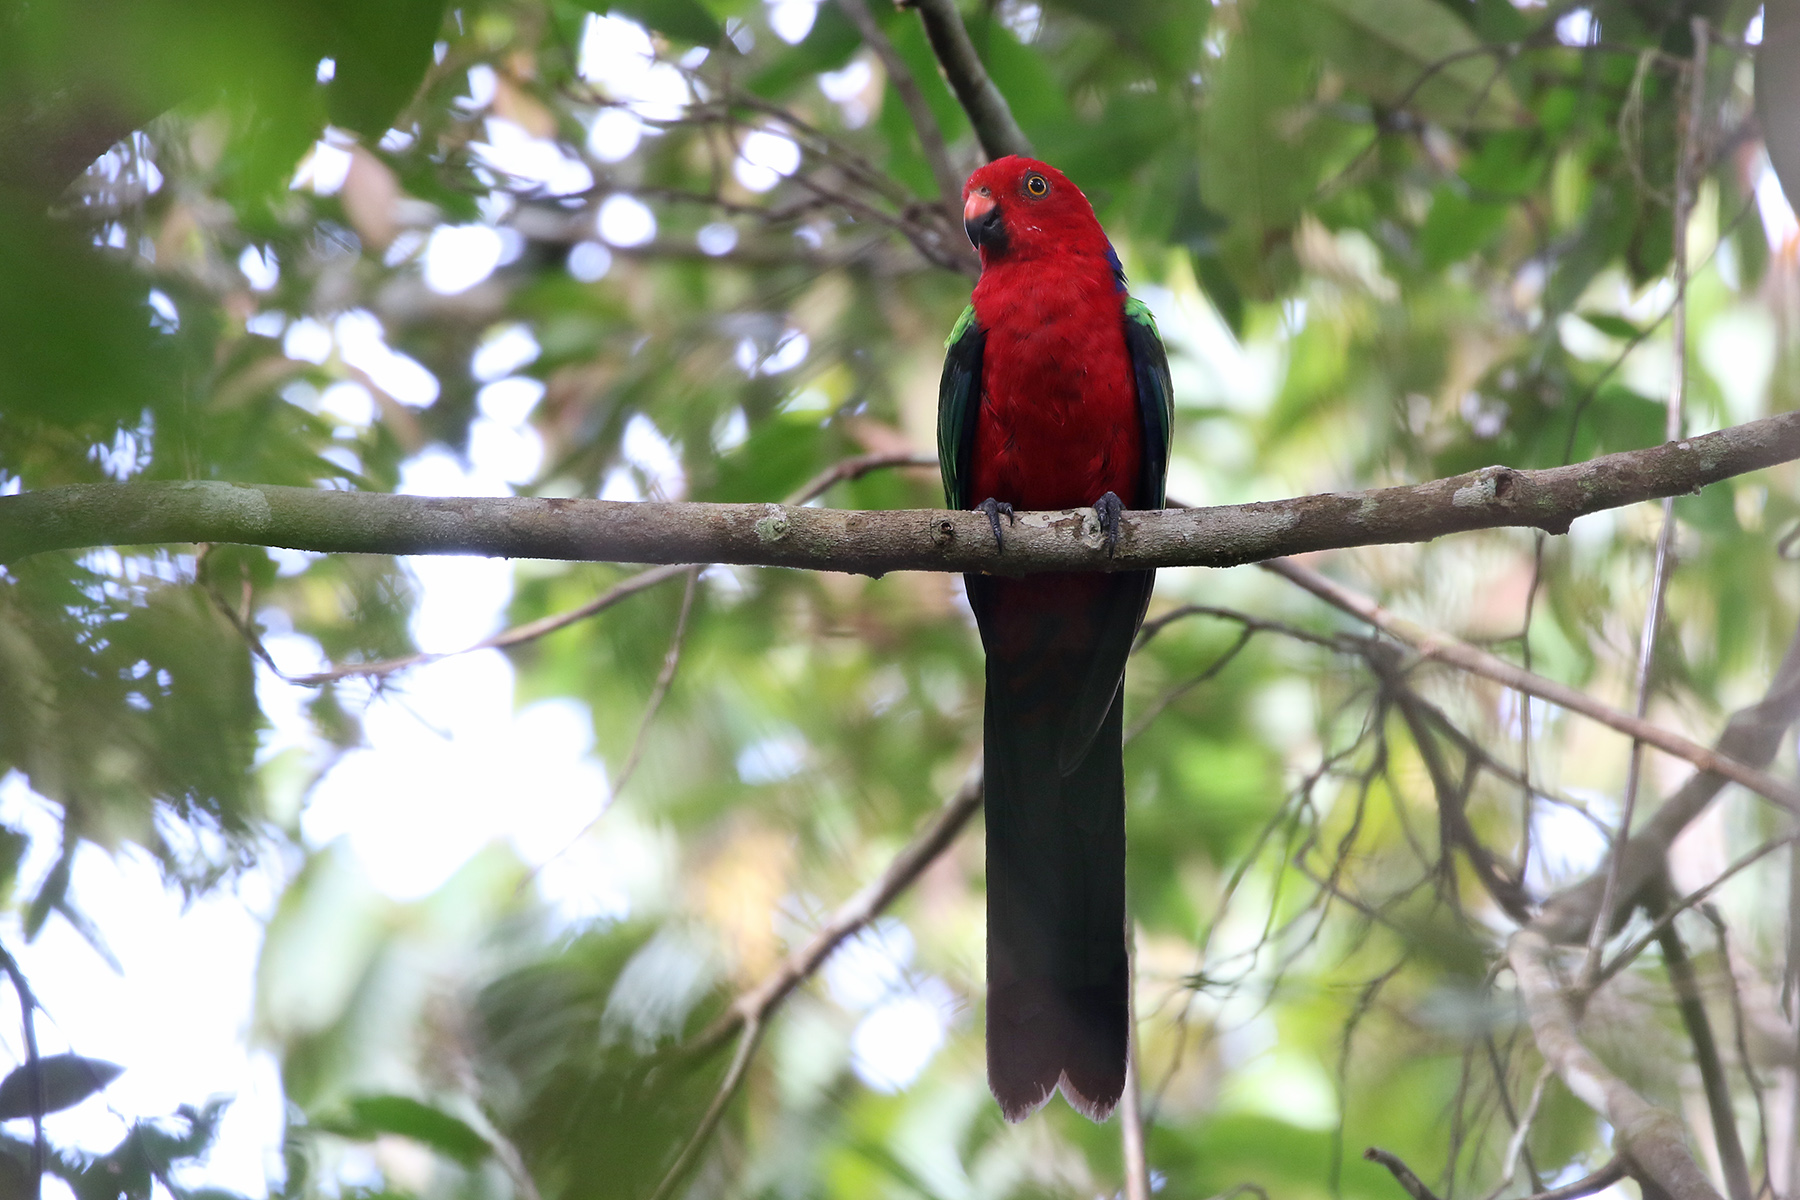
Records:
x=1118, y=268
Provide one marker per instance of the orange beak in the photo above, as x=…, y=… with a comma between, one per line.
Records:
x=981, y=221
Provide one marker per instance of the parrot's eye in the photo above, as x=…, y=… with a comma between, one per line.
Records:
x=1037, y=185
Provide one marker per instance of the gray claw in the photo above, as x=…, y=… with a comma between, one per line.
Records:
x=1107, y=510
x=993, y=508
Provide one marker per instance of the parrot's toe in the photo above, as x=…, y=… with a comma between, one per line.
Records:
x=993, y=508
x=1108, y=509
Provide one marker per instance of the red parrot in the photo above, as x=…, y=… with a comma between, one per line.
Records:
x=1055, y=395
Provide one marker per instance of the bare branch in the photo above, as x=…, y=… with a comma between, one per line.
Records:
x=734, y=1075
x=931, y=138
x=1131, y=1116
x=1587, y=1185
x=849, y=468
x=1415, y=1187
x=995, y=128
x=1432, y=644
x=1752, y=736
x=83, y=515
x=1651, y=1140
x=658, y=692
x=40, y=1103
x=1145, y=718
x=1507, y=891
x=518, y=634
x=1686, y=985
x=1685, y=156
x=757, y=1003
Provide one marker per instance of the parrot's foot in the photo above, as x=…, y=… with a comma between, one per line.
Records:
x=1108, y=509
x=993, y=508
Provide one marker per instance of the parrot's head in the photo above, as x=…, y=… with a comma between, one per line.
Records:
x=1019, y=208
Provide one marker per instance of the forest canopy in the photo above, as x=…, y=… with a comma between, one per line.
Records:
x=464, y=475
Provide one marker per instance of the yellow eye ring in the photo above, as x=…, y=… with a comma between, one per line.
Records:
x=1037, y=185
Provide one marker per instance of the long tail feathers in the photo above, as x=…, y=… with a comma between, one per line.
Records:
x=1058, y=1010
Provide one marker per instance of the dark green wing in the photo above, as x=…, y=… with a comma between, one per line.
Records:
x=959, y=402
x=1156, y=400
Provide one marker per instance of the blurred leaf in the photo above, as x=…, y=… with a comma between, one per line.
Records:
x=1778, y=91
x=684, y=19
x=1457, y=227
x=1612, y=325
x=369, y=1117
x=384, y=48
x=67, y=1080
x=1419, y=53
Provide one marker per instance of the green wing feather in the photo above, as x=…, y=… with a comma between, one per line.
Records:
x=1156, y=400
x=1130, y=594
x=959, y=402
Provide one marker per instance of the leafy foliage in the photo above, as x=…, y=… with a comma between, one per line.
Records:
x=1384, y=239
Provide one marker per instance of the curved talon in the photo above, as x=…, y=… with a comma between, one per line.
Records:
x=1107, y=510
x=993, y=508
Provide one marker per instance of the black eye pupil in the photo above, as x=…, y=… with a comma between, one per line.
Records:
x=1036, y=186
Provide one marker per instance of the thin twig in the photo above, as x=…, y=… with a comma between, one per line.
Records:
x=931, y=138
x=749, y=1014
x=1693, y=899
x=1500, y=1086
x=1515, y=1146
x=28, y=1018
x=517, y=635
x=1435, y=645
x=664, y=677
x=818, y=485
x=1181, y=689
x=1738, y=1026
x=1686, y=986
x=1587, y=1185
x=1452, y=799
x=1131, y=1103
x=1685, y=155
x=728, y=1086
x=658, y=690
x=1403, y=1174
x=761, y=1000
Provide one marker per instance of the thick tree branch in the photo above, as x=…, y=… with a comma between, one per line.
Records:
x=873, y=543
x=850, y=468
x=995, y=128
x=1650, y=1140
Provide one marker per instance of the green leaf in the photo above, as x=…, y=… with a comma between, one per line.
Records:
x=370, y=1116
x=1611, y=325
x=683, y=19
x=1419, y=53
x=68, y=1079
x=1457, y=227
x=385, y=53
x=1262, y=144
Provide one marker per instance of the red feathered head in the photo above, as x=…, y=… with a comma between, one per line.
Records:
x=1019, y=208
